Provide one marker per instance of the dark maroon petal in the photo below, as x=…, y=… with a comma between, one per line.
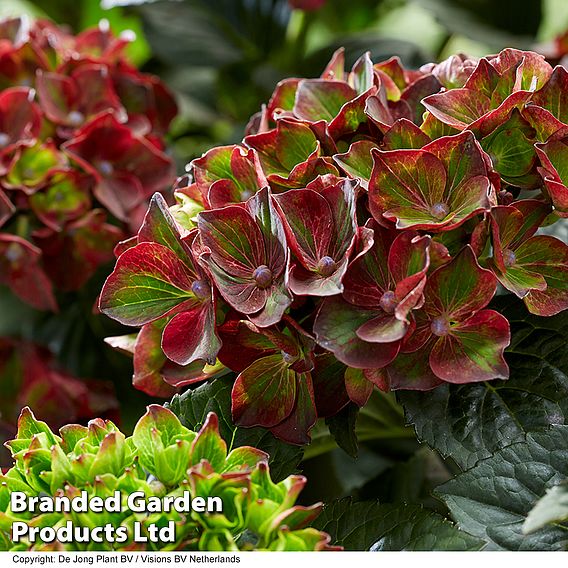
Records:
x=295, y=429
x=72, y=101
x=7, y=208
x=117, y=157
x=335, y=327
x=21, y=270
x=191, y=336
x=414, y=95
x=308, y=221
x=411, y=371
x=73, y=255
x=328, y=379
x=241, y=344
x=368, y=276
x=149, y=360
x=233, y=239
x=245, y=252
x=20, y=119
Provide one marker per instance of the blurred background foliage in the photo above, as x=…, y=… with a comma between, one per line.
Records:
x=223, y=58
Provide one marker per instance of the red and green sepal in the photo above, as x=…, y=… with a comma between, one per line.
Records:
x=534, y=268
x=244, y=249
x=436, y=188
x=159, y=277
x=462, y=341
x=321, y=228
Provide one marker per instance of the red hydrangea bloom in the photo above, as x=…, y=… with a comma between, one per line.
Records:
x=357, y=235
x=30, y=377
x=81, y=153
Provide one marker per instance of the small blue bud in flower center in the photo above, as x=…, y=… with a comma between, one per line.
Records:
x=326, y=266
x=4, y=139
x=388, y=302
x=201, y=289
x=262, y=276
x=440, y=326
x=106, y=168
x=509, y=258
x=76, y=118
x=288, y=358
x=14, y=253
x=439, y=211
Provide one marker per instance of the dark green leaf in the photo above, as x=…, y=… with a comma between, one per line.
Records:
x=370, y=526
x=492, y=499
x=342, y=428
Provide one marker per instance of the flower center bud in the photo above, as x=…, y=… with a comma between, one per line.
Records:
x=287, y=358
x=326, y=266
x=262, y=276
x=28, y=173
x=509, y=258
x=75, y=118
x=14, y=253
x=200, y=289
x=505, y=197
x=440, y=326
x=439, y=210
x=388, y=302
x=106, y=168
x=4, y=139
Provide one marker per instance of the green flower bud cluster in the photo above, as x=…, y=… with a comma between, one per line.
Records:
x=161, y=459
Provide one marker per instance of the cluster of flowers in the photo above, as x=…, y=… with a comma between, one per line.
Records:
x=81, y=139
x=30, y=376
x=162, y=459
x=355, y=239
